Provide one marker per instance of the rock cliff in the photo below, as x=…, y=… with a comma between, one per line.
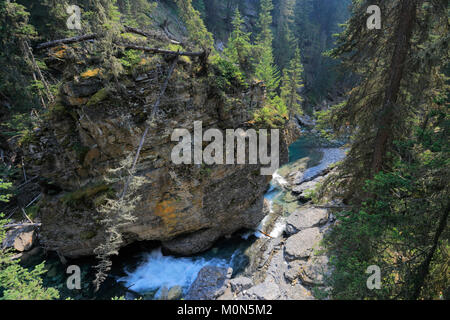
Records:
x=94, y=126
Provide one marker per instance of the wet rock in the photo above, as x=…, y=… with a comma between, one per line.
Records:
x=209, y=284
x=305, y=121
x=175, y=293
x=303, y=244
x=305, y=219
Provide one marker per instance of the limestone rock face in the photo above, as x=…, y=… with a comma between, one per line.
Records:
x=186, y=207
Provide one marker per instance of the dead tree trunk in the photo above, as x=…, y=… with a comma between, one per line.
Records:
x=147, y=128
x=55, y=43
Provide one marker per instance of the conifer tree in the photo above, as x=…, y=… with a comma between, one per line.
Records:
x=284, y=42
x=292, y=82
x=394, y=177
x=265, y=69
x=239, y=47
x=198, y=34
x=395, y=65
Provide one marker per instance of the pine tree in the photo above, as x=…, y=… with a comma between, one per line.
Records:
x=292, y=82
x=395, y=176
x=198, y=34
x=265, y=69
x=395, y=65
x=14, y=30
x=239, y=48
x=284, y=42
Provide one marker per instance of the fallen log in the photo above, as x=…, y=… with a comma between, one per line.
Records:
x=55, y=43
x=159, y=36
x=7, y=226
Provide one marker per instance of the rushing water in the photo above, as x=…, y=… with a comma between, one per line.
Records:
x=148, y=272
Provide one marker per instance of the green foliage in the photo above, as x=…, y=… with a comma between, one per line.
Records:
x=239, y=48
x=16, y=282
x=198, y=34
x=285, y=41
x=292, y=82
x=273, y=115
x=265, y=68
x=402, y=226
x=131, y=58
x=226, y=74
x=15, y=75
x=136, y=13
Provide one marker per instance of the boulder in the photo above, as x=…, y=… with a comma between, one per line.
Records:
x=21, y=238
x=25, y=241
x=307, y=185
x=209, y=284
x=305, y=219
x=192, y=243
x=303, y=244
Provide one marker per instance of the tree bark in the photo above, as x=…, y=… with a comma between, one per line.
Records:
x=402, y=39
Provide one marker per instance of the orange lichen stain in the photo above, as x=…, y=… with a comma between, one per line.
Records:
x=167, y=211
x=144, y=61
x=91, y=73
x=59, y=52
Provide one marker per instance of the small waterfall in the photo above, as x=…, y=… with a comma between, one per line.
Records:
x=157, y=271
